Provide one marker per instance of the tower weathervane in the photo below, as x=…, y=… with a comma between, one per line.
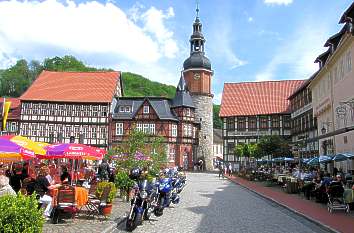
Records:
x=197, y=9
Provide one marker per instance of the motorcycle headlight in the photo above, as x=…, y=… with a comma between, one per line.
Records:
x=143, y=194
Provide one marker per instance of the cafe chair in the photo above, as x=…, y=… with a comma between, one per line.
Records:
x=65, y=203
x=92, y=190
x=336, y=200
x=95, y=205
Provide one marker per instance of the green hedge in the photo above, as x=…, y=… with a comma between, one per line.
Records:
x=20, y=214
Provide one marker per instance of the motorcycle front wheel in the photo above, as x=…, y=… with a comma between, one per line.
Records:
x=158, y=211
x=132, y=223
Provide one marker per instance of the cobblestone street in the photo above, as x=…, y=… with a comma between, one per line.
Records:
x=210, y=204
x=89, y=225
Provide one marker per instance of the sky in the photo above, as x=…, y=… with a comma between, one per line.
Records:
x=246, y=40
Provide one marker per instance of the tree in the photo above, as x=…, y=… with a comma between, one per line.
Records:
x=274, y=146
x=141, y=150
x=15, y=80
x=66, y=63
x=217, y=122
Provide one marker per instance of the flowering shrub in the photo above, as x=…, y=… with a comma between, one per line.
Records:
x=20, y=214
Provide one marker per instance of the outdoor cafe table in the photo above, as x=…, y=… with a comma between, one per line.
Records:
x=348, y=195
x=81, y=196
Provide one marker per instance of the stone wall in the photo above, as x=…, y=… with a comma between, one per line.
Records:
x=204, y=111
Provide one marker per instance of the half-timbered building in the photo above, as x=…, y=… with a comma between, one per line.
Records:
x=303, y=122
x=69, y=107
x=10, y=119
x=251, y=110
x=172, y=119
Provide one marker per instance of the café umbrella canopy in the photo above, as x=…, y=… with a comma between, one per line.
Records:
x=71, y=151
x=343, y=157
x=11, y=152
x=321, y=159
x=26, y=143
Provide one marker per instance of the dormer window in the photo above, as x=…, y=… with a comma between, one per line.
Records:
x=146, y=109
x=121, y=109
x=127, y=109
x=188, y=112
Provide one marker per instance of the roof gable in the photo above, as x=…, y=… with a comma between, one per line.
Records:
x=93, y=87
x=257, y=98
x=161, y=107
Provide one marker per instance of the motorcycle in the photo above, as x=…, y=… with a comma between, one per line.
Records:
x=179, y=182
x=167, y=194
x=140, y=206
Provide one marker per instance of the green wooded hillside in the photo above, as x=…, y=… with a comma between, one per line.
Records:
x=137, y=85
x=16, y=79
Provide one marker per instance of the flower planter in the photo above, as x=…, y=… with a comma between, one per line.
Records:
x=107, y=209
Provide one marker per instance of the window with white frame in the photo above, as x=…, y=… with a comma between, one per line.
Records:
x=152, y=129
x=188, y=112
x=185, y=130
x=146, y=128
x=68, y=131
x=35, y=109
x=94, y=132
x=119, y=128
x=139, y=126
x=13, y=127
x=103, y=132
x=95, y=111
x=190, y=130
x=121, y=108
x=174, y=130
x=146, y=109
x=41, y=130
x=127, y=108
x=104, y=111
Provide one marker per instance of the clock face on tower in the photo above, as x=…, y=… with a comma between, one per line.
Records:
x=196, y=76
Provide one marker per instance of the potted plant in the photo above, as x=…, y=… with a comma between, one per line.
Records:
x=124, y=183
x=106, y=209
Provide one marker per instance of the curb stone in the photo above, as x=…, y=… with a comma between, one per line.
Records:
x=320, y=224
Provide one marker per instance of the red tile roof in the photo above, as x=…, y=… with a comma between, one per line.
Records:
x=257, y=98
x=93, y=87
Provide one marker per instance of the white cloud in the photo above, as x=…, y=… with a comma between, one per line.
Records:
x=250, y=19
x=37, y=29
x=224, y=36
x=278, y=2
x=298, y=57
x=217, y=98
x=154, y=23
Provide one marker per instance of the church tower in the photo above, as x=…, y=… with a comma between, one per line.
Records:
x=198, y=73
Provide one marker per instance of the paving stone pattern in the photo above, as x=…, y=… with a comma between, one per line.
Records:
x=213, y=205
x=90, y=225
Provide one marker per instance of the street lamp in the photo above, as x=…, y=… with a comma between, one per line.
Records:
x=323, y=130
x=327, y=123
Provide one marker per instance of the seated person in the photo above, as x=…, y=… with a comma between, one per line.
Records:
x=65, y=177
x=41, y=187
x=15, y=178
x=326, y=180
x=336, y=188
x=5, y=188
x=49, y=178
x=337, y=181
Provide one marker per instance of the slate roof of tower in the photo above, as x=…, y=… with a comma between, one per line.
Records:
x=257, y=98
x=92, y=87
x=182, y=97
x=197, y=60
x=162, y=107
